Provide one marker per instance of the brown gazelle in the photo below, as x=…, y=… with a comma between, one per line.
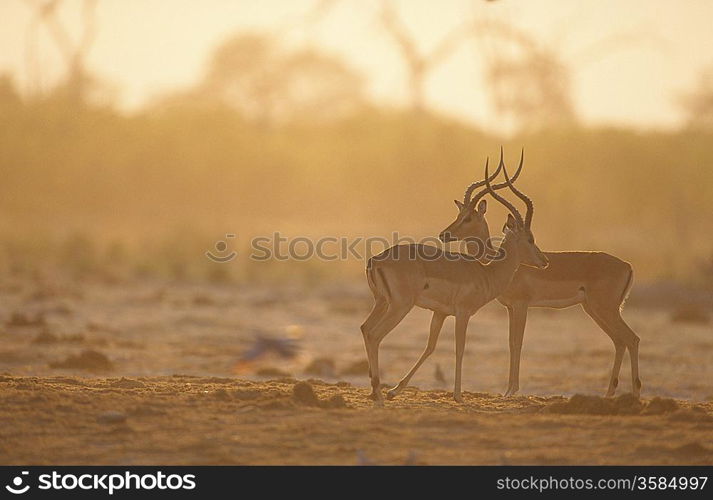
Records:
x=598, y=281
x=449, y=284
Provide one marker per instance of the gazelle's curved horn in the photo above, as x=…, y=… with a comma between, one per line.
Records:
x=528, y=202
x=468, y=192
x=502, y=200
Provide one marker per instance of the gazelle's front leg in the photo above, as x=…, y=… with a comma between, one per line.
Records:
x=461, y=327
x=517, y=316
x=436, y=325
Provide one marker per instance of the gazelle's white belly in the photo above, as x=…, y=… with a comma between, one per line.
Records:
x=438, y=296
x=559, y=303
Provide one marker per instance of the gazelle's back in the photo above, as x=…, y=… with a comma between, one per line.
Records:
x=568, y=279
x=429, y=262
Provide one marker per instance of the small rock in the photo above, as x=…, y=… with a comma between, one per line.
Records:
x=627, y=404
x=659, y=406
x=336, y=401
x=581, y=404
x=303, y=393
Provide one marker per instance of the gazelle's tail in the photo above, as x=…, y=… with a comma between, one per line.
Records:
x=627, y=288
x=377, y=280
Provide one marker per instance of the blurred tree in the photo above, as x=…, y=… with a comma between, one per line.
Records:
x=531, y=88
x=319, y=87
x=535, y=90
x=530, y=84
x=241, y=73
x=530, y=81
x=306, y=24
x=418, y=64
x=253, y=75
x=697, y=104
x=77, y=80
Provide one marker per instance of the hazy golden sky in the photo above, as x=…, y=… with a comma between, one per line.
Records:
x=146, y=47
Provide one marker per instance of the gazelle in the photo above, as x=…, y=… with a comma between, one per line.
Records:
x=598, y=281
x=449, y=284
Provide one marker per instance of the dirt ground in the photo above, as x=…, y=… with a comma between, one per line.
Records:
x=149, y=373
x=194, y=420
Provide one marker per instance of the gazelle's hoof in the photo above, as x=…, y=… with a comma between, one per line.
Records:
x=393, y=392
x=511, y=392
x=377, y=397
x=458, y=398
x=636, y=390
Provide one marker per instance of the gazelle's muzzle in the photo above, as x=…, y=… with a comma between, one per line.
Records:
x=544, y=262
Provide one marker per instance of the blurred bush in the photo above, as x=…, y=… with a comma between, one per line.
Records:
x=85, y=188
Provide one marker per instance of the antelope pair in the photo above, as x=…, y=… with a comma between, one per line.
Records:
x=522, y=276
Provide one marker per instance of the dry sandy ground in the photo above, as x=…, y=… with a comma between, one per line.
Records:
x=193, y=420
x=88, y=375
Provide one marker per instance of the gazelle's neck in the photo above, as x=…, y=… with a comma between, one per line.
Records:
x=479, y=249
x=500, y=272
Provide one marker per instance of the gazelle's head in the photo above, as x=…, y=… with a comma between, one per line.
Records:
x=530, y=254
x=470, y=223
x=516, y=228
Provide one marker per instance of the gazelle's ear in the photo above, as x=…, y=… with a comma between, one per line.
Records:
x=510, y=224
x=458, y=204
x=482, y=207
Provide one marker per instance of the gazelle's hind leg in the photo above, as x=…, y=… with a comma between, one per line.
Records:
x=436, y=326
x=379, y=309
x=461, y=327
x=373, y=337
x=619, y=347
x=609, y=319
x=631, y=340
